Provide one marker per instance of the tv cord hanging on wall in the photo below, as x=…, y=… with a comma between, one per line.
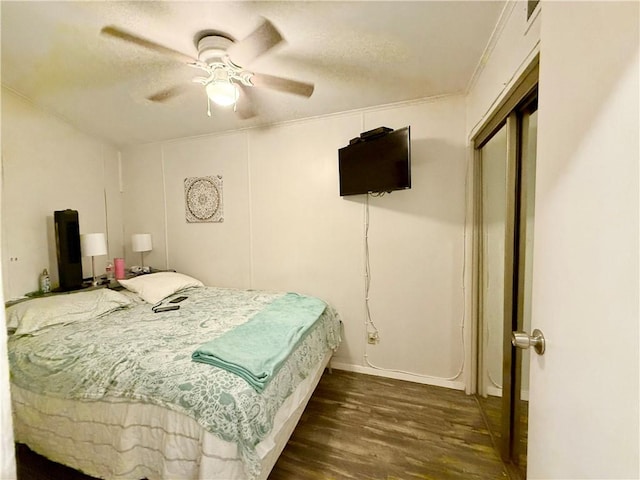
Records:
x=370, y=326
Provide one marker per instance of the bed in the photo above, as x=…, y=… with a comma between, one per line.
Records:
x=109, y=383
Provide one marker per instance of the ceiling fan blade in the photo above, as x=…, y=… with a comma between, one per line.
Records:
x=258, y=42
x=120, y=34
x=244, y=104
x=282, y=84
x=166, y=94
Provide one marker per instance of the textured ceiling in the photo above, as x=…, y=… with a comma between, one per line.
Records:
x=358, y=54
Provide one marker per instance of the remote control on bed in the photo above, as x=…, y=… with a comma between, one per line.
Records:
x=166, y=309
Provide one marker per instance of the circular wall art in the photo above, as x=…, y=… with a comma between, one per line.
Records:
x=203, y=199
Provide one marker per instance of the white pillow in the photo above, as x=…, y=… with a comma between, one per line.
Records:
x=33, y=315
x=153, y=287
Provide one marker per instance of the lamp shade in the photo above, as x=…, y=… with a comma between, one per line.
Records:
x=93, y=244
x=141, y=242
x=223, y=93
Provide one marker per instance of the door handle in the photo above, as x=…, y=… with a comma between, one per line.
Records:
x=524, y=340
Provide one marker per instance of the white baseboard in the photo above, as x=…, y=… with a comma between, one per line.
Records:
x=494, y=391
x=497, y=392
x=426, y=380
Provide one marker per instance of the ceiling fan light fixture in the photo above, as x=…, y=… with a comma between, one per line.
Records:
x=223, y=93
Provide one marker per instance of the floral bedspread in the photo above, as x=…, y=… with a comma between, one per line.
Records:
x=144, y=356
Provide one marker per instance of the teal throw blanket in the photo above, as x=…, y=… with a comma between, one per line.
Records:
x=256, y=349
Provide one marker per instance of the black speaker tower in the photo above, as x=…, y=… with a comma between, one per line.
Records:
x=68, y=249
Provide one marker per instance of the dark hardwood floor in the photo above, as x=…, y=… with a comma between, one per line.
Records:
x=364, y=427
x=492, y=409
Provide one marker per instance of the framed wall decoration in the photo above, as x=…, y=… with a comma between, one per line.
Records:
x=203, y=199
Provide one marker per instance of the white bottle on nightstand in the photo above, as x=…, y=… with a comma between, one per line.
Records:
x=45, y=282
x=109, y=269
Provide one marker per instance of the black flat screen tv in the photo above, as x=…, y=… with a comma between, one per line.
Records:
x=376, y=165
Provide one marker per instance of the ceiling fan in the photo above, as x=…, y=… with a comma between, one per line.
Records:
x=226, y=81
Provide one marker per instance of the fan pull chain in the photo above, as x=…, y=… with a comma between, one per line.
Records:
x=208, y=106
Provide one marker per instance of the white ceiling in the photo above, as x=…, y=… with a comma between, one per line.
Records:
x=358, y=54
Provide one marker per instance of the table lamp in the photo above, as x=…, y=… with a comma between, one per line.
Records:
x=92, y=245
x=141, y=242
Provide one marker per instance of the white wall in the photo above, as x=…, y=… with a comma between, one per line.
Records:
x=217, y=253
x=286, y=228
x=514, y=43
x=583, y=420
x=143, y=202
x=48, y=165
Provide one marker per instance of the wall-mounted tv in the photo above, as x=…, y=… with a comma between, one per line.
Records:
x=377, y=161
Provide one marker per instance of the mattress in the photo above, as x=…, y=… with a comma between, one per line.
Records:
x=119, y=397
x=128, y=440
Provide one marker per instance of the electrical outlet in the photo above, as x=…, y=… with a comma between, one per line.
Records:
x=373, y=338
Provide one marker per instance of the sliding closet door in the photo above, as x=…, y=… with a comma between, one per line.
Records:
x=493, y=168
x=505, y=159
x=528, y=128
